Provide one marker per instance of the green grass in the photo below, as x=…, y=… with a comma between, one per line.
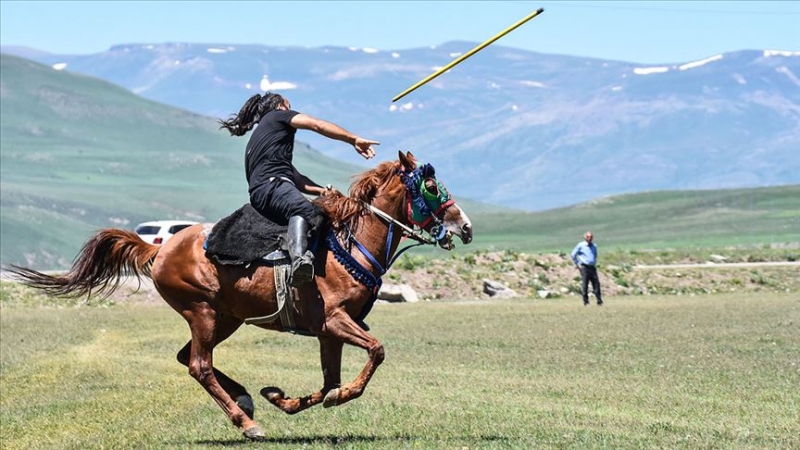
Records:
x=655, y=220
x=658, y=372
x=79, y=154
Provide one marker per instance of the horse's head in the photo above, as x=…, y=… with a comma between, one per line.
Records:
x=413, y=195
x=430, y=206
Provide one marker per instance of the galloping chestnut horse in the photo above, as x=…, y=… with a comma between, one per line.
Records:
x=216, y=299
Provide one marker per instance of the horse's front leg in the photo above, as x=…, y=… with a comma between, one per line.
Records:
x=342, y=328
x=331, y=360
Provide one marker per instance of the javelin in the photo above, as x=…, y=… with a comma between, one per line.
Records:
x=468, y=54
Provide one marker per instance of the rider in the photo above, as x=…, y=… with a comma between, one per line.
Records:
x=275, y=185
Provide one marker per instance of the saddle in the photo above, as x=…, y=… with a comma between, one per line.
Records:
x=246, y=236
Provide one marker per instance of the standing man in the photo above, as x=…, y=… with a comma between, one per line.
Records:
x=585, y=258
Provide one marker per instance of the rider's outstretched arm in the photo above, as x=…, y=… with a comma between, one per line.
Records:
x=333, y=131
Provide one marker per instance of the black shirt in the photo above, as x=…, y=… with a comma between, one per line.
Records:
x=269, y=151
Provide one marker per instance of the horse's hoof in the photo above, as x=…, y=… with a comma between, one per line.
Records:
x=331, y=398
x=272, y=394
x=246, y=403
x=254, y=433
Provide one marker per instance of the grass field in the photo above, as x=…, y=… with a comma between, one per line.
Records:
x=714, y=371
x=653, y=220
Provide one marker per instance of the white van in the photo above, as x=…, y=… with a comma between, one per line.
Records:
x=159, y=232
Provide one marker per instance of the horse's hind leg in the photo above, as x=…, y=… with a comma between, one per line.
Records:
x=225, y=327
x=331, y=359
x=205, y=326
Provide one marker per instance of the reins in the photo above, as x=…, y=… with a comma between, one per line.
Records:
x=430, y=212
x=406, y=230
x=358, y=271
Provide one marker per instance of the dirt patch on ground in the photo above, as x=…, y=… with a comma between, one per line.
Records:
x=537, y=276
x=554, y=275
x=550, y=276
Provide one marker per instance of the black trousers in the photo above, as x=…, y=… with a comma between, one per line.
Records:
x=589, y=273
x=279, y=200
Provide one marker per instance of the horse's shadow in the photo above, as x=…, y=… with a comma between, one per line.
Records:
x=326, y=440
x=308, y=440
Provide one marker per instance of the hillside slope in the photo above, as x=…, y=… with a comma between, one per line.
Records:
x=80, y=154
x=522, y=129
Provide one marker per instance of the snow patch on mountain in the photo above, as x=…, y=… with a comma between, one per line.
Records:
x=702, y=62
x=530, y=83
x=404, y=107
x=217, y=50
x=650, y=70
x=785, y=70
x=768, y=53
x=267, y=85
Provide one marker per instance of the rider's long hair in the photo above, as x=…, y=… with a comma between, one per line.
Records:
x=252, y=111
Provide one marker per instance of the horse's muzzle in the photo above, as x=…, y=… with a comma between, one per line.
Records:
x=447, y=241
x=466, y=233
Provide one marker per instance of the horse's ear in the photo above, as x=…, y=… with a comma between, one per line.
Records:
x=408, y=161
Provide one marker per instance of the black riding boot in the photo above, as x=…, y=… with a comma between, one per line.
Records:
x=302, y=259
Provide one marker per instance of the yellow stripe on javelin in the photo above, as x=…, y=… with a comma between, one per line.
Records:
x=468, y=54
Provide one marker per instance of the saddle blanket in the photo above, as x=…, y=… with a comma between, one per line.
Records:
x=246, y=236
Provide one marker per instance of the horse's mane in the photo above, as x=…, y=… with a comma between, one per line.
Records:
x=343, y=210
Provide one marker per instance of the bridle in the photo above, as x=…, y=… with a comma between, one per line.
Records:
x=406, y=230
x=414, y=190
x=422, y=205
x=417, y=208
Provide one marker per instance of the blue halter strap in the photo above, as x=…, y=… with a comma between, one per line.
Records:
x=420, y=208
x=356, y=270
x=389, y=262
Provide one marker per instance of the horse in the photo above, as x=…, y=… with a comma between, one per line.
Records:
x=216, y=299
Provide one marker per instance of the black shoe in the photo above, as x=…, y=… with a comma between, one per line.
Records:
x=599, y=303
x=302, y=271
x=585, y=303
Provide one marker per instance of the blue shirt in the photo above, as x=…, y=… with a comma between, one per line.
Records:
x=585, y=254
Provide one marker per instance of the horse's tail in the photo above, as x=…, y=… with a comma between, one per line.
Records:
x=99, y=267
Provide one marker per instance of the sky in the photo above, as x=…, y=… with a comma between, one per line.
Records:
x=632, y=31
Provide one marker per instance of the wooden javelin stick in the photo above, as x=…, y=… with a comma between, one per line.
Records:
x=468, y=54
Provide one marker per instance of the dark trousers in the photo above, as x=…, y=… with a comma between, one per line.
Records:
x=279, y=200
x=589, y=273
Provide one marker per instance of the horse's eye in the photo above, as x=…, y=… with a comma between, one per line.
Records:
x=431, y=187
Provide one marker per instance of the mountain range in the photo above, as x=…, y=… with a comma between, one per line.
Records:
x=520, y=129
x=79, y=153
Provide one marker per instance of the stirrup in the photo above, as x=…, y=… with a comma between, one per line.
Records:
x=302, y=272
